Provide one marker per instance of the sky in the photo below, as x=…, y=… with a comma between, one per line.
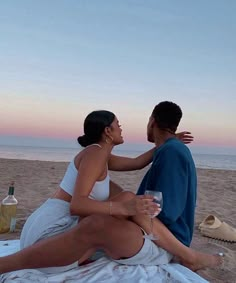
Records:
x=60, y=60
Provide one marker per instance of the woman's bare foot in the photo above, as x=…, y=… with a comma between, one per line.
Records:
x=202, y=260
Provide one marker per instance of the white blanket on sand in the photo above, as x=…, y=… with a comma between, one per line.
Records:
x=102, y=270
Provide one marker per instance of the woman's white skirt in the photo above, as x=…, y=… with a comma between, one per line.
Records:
x=51, y=218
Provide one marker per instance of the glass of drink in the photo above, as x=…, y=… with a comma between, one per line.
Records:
x=157, y=199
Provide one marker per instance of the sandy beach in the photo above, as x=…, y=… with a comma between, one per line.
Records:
x=35, y=181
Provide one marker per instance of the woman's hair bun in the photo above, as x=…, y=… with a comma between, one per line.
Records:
x=83, y=140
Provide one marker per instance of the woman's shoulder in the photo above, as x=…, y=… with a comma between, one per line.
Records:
x=91, y=154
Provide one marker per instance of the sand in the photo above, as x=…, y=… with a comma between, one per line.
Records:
x=35, y=181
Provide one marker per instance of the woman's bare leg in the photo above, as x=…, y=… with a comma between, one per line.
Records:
x=119, y=238
x=188, y=257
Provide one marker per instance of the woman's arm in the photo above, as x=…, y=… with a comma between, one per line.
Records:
x=90, y=170
x=121, y=163
x=137, y=205
x=115, y=190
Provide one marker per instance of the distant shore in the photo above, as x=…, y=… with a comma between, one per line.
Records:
x=35, y=181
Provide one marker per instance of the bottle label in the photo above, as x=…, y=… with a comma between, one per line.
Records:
x=13, y=224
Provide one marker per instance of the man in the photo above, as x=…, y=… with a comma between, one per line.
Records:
x=172, y=172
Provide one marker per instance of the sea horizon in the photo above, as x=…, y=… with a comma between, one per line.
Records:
x=204, y=157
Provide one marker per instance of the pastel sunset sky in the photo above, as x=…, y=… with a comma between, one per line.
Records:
x=61, y=59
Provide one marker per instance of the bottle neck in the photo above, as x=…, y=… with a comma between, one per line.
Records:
x=11, y=191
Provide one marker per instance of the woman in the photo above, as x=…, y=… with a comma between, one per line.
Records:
x=52, y=236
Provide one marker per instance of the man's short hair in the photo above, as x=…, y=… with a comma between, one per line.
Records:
x=167, y=115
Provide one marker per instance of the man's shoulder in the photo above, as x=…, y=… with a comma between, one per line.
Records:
x=172, y=145
x=171, y=148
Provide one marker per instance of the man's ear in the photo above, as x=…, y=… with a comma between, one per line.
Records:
x=152, y=122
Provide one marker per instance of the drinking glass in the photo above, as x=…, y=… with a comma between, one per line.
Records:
x=157, y=199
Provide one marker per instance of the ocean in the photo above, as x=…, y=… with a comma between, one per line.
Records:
x=202, y=160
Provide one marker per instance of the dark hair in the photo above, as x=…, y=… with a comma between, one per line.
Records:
x=167, y=115
x=94, y=125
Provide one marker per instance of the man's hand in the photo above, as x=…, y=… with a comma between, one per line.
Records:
x=185, y=137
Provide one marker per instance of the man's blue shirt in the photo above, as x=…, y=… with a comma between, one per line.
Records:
x=174, y=174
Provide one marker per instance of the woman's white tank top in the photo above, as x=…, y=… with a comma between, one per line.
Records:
x=100, y=189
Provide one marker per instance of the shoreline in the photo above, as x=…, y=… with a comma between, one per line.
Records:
x=62, y=161
x=35, y=181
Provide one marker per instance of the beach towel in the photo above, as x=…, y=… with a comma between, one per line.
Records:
x=102, y=270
